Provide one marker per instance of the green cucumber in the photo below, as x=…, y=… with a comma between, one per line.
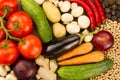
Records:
x=39, y=18
x=81, y=72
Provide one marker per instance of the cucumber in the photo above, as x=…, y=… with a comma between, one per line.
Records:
x=82, y=72
x=39, y=18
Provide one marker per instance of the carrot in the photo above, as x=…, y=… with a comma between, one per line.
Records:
x=95, y=56
x=81, y=49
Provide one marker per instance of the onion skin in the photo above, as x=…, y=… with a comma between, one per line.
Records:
x=103, y=40
x=24, y=69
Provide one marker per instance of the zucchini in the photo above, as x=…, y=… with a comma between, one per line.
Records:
x=81, y=72
x=39, y=18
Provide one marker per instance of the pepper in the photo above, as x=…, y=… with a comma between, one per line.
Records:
x=88, y=11
x=62, y=45
x=95, y=11
x=100, y=9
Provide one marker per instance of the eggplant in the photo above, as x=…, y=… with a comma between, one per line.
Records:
x=58, y=47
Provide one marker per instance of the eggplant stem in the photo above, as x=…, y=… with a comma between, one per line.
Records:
x=84, y=35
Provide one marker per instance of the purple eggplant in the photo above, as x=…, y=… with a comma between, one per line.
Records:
x=58, y=47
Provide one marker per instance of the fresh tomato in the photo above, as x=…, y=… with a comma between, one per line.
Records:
x=10, y=5
x=30, y=47
x=2, y=34
x=20, y=24
x=8, y=52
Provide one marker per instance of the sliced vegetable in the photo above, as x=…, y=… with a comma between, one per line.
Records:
x=39, y=18
x=81, y=49
x=91, y=57
x=54, y=15
x=103, y=40
x=81, y=72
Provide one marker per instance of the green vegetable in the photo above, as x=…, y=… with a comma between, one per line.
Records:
x=39, y=18
x=81, y=72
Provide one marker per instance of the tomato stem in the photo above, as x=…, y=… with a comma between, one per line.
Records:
x=6, y=31
x=4, y=45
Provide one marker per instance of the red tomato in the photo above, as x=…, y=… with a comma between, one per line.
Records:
x=10, y=5
x=2, y=34
x=20, y=23
x=31, y=47
x=8, y=52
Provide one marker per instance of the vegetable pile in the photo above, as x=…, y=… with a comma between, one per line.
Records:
x=53, y=39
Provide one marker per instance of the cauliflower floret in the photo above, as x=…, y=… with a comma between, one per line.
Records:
x=78, y=11
x=65, y=7
x=72, y=28
x=66, y=18
x=83, y=21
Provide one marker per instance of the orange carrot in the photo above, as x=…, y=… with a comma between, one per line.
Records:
x=95, y=56
x=81, y=49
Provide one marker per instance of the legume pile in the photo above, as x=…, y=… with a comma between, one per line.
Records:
x=114, y=53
